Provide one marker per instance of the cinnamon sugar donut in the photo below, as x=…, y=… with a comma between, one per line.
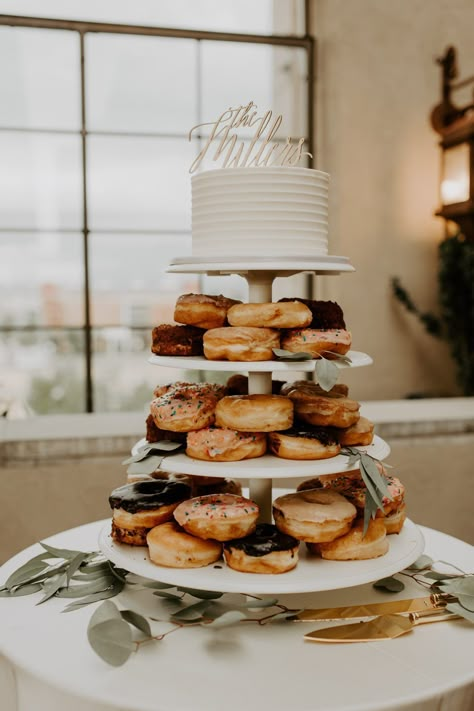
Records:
x=316, y=515
x=218, y=516
x=203, y=310
x=169, y=545
x=236, y=343
x=354, y=545
x=291, y=314
x=255, y=413
x=220, y=444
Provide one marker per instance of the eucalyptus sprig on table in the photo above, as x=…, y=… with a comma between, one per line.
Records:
x=326, y=370
x=425, y=571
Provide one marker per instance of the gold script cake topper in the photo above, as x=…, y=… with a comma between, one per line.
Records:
x=262, y=149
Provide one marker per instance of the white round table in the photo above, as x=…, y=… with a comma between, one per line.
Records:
x=47, y=664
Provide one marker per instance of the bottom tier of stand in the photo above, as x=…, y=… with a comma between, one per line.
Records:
x=312, y=574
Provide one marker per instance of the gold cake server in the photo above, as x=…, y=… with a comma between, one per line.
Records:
x=380, y=628
x=416, y=604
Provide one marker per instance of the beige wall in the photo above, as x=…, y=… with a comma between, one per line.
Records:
x=377, y=83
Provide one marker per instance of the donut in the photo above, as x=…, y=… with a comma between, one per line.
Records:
x=220, y=444
x=332, y=411
x=141, y=505
x=156, y=434
x=309, y=387
x=255, y=413
x=315, y=515
x=357, y=435
x=354, y=545
x=238, y=384
x=352, y=486
x=325, y=314
x=304, y=443
x=215, y=485
x=309, y=484
x=318, y=342
x=267, y=550
x=240, y=344
x=187, y=408
x=291, y=314
x=170, y=340
x=218, y=516
x=169, y=545
x=394, y=521
x=203, y=310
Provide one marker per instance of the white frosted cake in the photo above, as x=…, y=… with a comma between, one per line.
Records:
x=260, y=212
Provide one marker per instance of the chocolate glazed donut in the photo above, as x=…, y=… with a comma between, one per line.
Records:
x=267, y=550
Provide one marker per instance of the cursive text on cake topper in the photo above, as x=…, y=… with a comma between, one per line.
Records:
x=262, y=149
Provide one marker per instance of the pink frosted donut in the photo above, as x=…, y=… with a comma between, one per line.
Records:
x=317, y=341
x=186, y=408
x=222, y=517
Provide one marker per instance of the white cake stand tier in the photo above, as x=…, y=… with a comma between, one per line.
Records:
x=261, y=267
x=310, y=575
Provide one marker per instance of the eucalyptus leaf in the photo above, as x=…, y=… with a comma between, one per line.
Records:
x=389, y=584
x=107, y=611
x=167, y=595
x=74, y=565
x=28, y=569
x=327, y=373
x=22, y=590
x=337, y=356
x=434, y=575
x=93, y=566
x=103, y=595
x=112, y=641
x=60, y=552
x=231, y=617
x=262, y=602
x=153, y=584
x=201, y=594
x=146, y=466
x=51, y=587
x=137, y=620
x=421, y=563
x=72, y=591
x=458, y=609
x=467, y=601
x=460, y=585
x=372, y=471
x=282, y=354
x=192, y=612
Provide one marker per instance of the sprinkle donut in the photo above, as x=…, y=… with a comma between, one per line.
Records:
x=218, y=516
x=189, y=407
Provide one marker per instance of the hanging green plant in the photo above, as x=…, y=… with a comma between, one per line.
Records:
x=455, y=324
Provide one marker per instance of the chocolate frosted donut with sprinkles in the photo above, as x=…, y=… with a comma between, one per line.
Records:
x=267, y=550
x=141, y=505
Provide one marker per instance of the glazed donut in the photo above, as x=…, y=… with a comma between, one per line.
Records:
x=291, y=314
x=219, y=444
x=354, y=545
x=170, y=340
x=326, y=314
x=203, y=310
x=360, y=434
x=326, y=411
x=185, y=409
x=240, y=344
x=394, y=521
x=306, y=388
x=353, y=488
x=255, y=413
x=267, y=550
x=304, y=443
x=315, y=515
x=318, y=342
x=141, y=505
x=218, y=516
x=169, y=545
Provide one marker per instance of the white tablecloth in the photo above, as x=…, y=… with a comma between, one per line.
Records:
x=47, y=664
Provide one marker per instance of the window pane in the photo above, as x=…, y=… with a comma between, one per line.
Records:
x=225, y=15
x=46, y=288
x=123, y=379
x=39, y=78
x=133, y=288
x=140, y=83
x=42, y=372
x=139, y=183
x=40, y=181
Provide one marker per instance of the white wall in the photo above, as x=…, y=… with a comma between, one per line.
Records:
x=377, y=83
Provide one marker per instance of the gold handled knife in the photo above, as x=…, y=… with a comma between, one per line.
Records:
x=380, y=628
x=416, y=604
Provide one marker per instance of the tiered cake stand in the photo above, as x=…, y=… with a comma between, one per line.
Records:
x=310, y=574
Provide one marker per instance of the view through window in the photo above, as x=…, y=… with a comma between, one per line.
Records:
x=95, y=191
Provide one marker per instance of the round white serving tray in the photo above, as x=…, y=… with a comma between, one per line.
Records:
x=285, y=266
x=358, y=360
x=266, y=467
x=312, y=574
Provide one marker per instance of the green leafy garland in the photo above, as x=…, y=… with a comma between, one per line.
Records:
x=456, y=301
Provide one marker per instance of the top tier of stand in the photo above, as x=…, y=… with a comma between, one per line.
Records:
x=258, y=267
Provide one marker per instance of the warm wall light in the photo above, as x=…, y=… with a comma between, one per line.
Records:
x=456, y=127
